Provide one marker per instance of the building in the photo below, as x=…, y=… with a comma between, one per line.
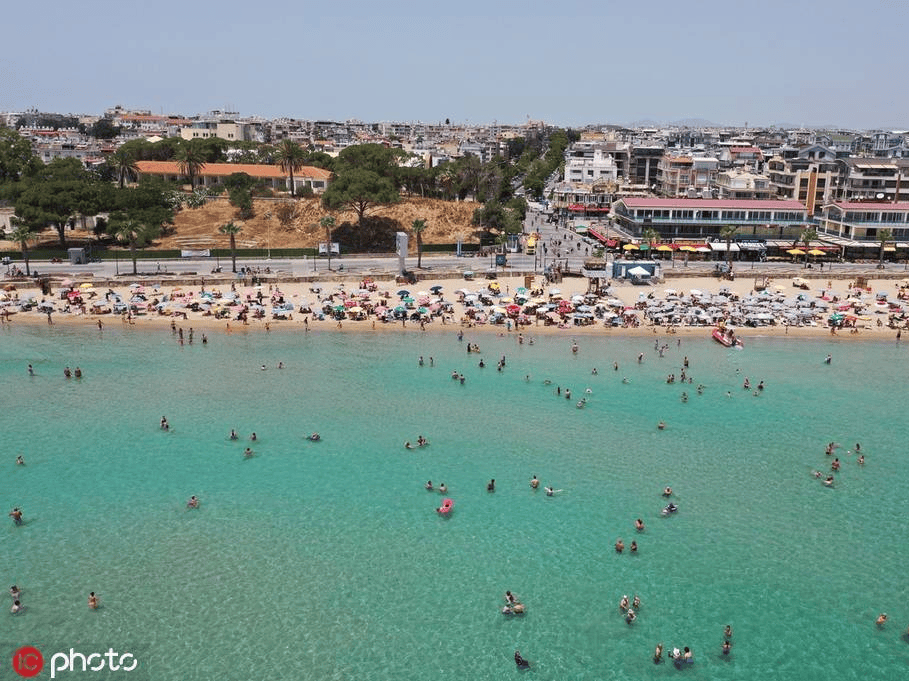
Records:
x=806, y=174
x=703, y=219
x=873, y=179
x=589, y=164
x=741, y=184
x=213, y=174
x=864, y=221
x=689, y=176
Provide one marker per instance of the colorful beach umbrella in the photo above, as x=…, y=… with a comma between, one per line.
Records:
x=795, y=251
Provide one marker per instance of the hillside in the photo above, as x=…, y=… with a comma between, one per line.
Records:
x=198, y=227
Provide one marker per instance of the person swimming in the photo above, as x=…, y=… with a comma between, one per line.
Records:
x=429, y=485
x=636, y=602
x=534, y=483
x=658, y=653
x=315, y=437
x=881, y=619
x=93, y=601
x=14, y=591
x=667, y=492
x=17, y=607
x=164, y=424
x=520, y=661
x=20, y=461
x=407, y=445
x=248, y=453
x=727, y=647
x=421, y=441
x=16, y=515
x=634, y=546
x=639, y=525
x=193, y=502
x=491, y=485
x=630, y=617
x=623, y=604
x=619, y=545
x=233, y=435
x=253, y=437
x=78, y=372
x=443, y=488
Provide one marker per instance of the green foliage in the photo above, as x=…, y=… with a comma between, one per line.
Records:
x=16, y=157
x=232, y=229
x=191, y=157
x=289, y=155
x=360, y=190
x=123, y=165
x=104, y=129
x=240, y=188
x=375, y=158
x=143, y=150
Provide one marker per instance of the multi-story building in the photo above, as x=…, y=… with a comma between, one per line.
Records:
x=703, y=219
x=873, y=179
x=864, y=221
x=806, y=174
x=213, y=174
x=689, y=176
x=740, y=184
x=588, y=164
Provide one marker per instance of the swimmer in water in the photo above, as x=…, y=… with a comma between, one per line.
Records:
x=634, y=547
x=443, y=488
x=248, y=453
x=630, y=617
x=860, y=460
x=14, y=591
x=429, y=485
x=667, y=492
x=727, y=647
x=407, y=445
x=21, y=462
x=93, y=601
x=491, y=485
x=639, y=525
x=17, y=607
x=315, y=437
x=164, y=424
x=193, y=502
x=661, y=425
x=421, y=441
x=658, y=653
x=520, y=661
x=253, y=437
x=623, y=604
x=534, y=483
x=233, y=435
x=16, y=515
x=881, y=619
x=619, y=545
x=264, y=367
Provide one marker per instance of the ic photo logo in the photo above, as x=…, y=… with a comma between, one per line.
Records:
x=28, y=662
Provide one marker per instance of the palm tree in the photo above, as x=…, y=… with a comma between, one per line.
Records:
x=22, y=233
x=190, y=160
x=417, y=228
x=328, y=222
x=289, y=155
x=124, y=165
x=649, y=234
x=727, y=233
x=231, y=229
x=883, y=236
x=134, y=234
x=808, y=235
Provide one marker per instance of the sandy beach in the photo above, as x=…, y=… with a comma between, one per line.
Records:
x=869, y=323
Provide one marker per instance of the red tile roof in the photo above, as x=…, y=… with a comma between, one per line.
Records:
x=714, y=204
x=867, y=205
x=225, y=169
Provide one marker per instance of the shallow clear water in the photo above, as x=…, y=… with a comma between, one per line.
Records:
x=326, y=560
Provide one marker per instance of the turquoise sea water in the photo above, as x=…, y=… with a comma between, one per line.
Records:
x=327, y=561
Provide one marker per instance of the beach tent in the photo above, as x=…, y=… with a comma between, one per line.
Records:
x=638, y=272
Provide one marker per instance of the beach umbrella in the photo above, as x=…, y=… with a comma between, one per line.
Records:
x=435, y=289
x=408, y=300
x=422, y=310
x=629, y=247
x=816, y=251
x=664, y=248
x=795, y=251
x=403, y=294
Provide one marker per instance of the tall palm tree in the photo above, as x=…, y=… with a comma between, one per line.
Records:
x=649, y=234
x=190, y=160
x=132, y=232
x=232, y=229
x=727, y=233
x=808, y=235
x=328, y=222
x=417, y=228
x=124, y=165
x=289, y=155
x=883, y=236
x=21, y=234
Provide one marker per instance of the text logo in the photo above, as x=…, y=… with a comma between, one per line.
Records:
x=28, y=661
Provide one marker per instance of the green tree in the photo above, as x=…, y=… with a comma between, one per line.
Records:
x=290, y=155
x=104, y=129
x=240, y=188
x=650, y=235
x=727, y=233
x=417, y=227
x=137, y=234
x=883, y=236
x=359, y=190
x=190, y=158
x=808, y=235
x=123, y=165
x=376, y=158
x=16, y=157
x=21, y=234
x=328, y=223
x=231, y=229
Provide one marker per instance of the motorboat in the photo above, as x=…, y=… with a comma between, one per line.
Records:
x=727, y=338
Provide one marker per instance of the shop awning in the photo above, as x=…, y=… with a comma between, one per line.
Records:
x=733, y=247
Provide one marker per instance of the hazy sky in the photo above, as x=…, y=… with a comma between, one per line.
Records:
x=565, y=62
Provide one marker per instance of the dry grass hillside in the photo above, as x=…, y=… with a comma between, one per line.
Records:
x=197, y=228
x=299, y=227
